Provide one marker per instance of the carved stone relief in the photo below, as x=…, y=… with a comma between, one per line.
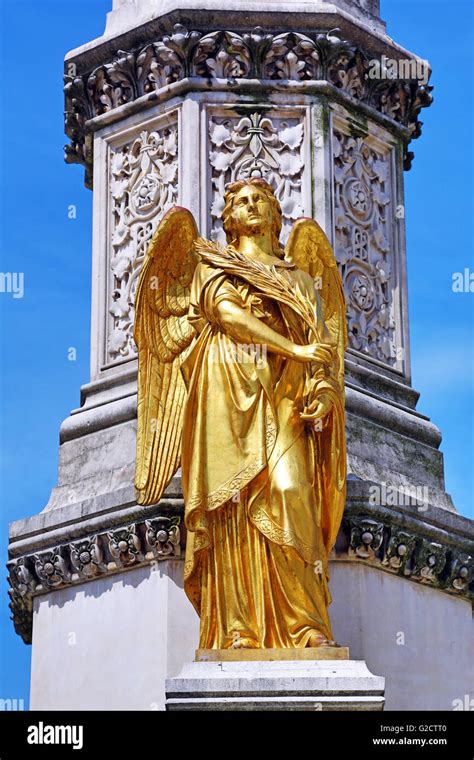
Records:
x=143, y=185
x=224, y=56
x=267, y=144
x=364, y=244
x=380, y=543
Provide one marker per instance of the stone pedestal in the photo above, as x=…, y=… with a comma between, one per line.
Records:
x=275, y=685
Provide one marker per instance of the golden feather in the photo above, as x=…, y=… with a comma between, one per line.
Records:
x=310, y=250
x=163, y=336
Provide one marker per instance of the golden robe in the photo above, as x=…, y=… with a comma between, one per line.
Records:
x=263, y=494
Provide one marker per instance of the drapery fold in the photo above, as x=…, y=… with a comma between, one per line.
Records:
x=263, y=494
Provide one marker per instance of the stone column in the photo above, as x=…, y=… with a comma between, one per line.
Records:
x=170, y=104
x=172, y=118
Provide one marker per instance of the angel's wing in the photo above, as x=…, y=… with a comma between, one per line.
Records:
x=310, y=250
x=163, y=336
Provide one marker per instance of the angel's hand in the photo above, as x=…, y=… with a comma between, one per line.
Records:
x=318, y=409
x=321, y=353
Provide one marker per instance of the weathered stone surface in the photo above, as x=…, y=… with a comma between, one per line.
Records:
x=126, y=16
x=419, y=638
x=275, y=685
x=418, y=635
x=408, y=537
x=296, y=56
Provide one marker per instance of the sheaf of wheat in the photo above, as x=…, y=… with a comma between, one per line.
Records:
x=266, y=278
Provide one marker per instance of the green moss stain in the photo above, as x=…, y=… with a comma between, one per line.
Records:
x=358, y=125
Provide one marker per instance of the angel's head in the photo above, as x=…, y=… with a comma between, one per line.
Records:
x=251, y=208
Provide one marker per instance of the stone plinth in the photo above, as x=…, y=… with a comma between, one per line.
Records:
x=276, y=685
x=402, y=601
x=111, y=643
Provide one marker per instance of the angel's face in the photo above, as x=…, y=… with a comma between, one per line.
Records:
x=251, y=211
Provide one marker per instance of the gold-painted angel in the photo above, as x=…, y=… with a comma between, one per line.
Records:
x=241, y=382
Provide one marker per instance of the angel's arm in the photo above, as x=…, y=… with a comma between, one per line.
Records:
x=244, y=327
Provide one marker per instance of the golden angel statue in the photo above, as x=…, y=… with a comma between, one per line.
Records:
x=241, y=382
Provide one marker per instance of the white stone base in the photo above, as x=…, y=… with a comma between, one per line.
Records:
x=109, y=644
x=276, y=685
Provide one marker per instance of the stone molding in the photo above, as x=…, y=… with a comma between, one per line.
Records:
x=435, y=552
x=409, y=554
x=102, y=553
x=226, y=58
x=276, y=685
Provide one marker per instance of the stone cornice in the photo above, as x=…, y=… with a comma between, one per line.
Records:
x=102, y=553
x=407, y=553
x=267, y=14
x=231, y=59
x=429, y=546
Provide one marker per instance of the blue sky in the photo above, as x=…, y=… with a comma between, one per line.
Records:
x=40, y=385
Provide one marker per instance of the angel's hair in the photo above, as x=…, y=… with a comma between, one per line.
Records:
x=229, y=197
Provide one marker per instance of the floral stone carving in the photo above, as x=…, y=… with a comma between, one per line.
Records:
x=258, y=145
x=143, y=186
x=363, y=244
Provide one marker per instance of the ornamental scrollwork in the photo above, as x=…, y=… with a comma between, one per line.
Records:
x=84, y=560
x=363, y=244
x=257, y=145
x=142, y=186
x=229, y=56
x=383, y=544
